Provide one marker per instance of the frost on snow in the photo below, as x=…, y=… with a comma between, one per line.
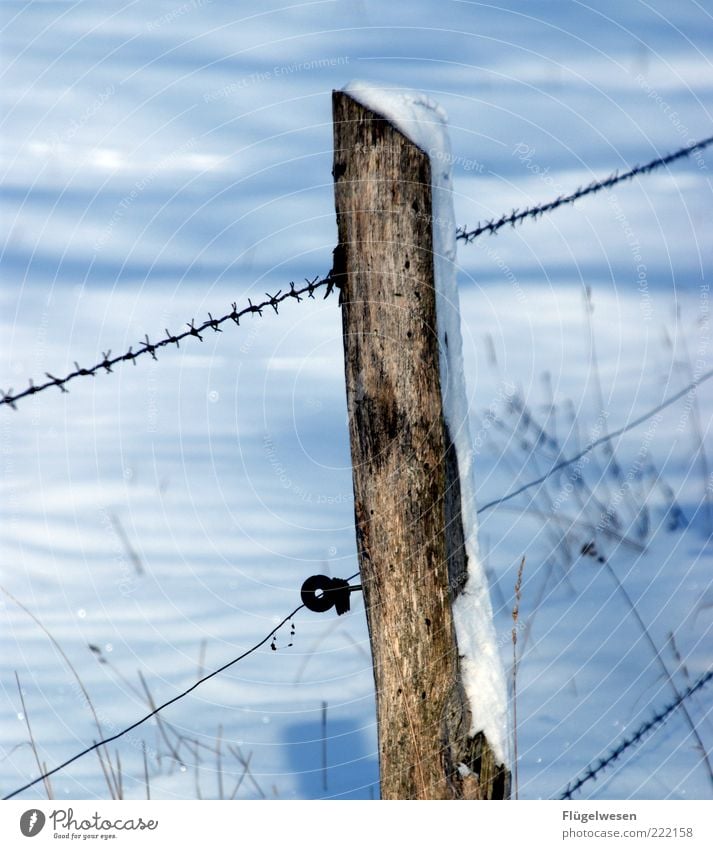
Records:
x=423, y=121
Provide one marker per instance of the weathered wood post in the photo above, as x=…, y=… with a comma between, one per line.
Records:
x=406, y=486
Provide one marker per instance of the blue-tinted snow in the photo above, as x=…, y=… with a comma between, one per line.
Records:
x=163, y=159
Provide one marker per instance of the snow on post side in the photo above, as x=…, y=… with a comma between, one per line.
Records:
x=424, y=122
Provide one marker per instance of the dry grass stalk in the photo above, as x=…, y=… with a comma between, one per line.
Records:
x=515, y=618
x=25, y=716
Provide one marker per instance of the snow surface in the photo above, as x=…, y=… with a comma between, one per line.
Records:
x=160, y=160
x=423, y=121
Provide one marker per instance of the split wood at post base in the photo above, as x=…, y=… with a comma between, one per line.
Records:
x=406, y=488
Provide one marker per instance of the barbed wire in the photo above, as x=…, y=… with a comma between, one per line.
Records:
x=517, y=216
x=175, y=699
x=602, y=439
x=658, y=719
x=148, y=347
x=491, y=226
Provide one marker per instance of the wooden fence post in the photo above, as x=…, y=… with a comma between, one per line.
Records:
x=406, y=487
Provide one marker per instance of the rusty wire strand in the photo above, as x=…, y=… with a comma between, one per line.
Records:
x=517, y=216
x=593, y=770
x=148, y=347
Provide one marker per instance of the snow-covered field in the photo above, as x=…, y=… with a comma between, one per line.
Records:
x=163, y=159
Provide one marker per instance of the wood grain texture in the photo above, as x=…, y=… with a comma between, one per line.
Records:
x=406, y=488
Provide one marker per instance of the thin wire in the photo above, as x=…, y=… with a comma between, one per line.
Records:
x=602, y=439
x=518, y=216
x=148, y=347
x=658, y=719
x=157, y=710
x=164, y=705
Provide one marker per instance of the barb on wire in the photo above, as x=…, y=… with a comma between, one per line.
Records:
x=519, y=215
x=602, y=439
x=148, y=716
x=147, y=347
x=593, y=770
